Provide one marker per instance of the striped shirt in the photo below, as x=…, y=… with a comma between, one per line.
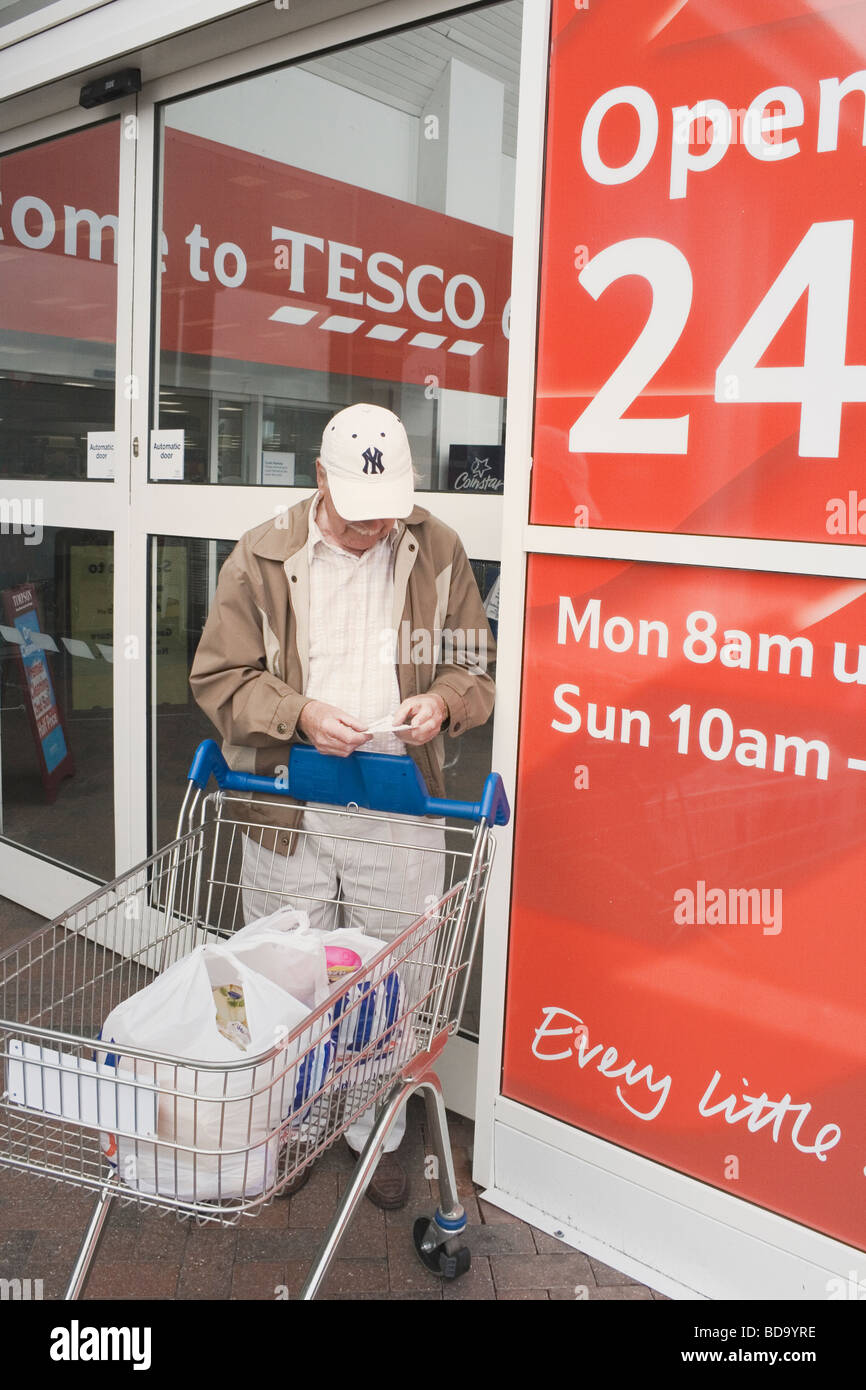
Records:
x=351, y=659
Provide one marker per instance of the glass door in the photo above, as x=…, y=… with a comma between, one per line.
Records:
x=336, y=229
x=64, y=480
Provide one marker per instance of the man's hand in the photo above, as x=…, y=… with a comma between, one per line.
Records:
x=425, y=713
x=331, y=730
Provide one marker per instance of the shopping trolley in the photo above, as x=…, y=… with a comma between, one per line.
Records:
x=215, y=1142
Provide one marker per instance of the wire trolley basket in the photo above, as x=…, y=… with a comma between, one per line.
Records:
x=218, y=1140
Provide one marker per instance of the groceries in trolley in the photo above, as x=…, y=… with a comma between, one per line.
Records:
x=231, y=1014
x=215, y=1116
x=368, y=1017
x=237, y=1072
x=283, y=949
x=341, y=963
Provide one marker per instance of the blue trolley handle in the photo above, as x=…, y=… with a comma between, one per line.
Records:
x=370, y=781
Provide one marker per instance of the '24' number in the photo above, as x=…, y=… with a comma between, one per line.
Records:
x=820, y=266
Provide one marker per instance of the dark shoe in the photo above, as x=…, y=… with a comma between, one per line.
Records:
x=389, y=1186
x=294, y=1185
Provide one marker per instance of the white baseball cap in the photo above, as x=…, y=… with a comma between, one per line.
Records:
x=366, y=455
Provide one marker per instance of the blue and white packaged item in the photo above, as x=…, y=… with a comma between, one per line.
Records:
x=369, y=1022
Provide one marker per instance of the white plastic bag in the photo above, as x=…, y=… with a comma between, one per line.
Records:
x=287, y=953
x=283, y=948
x=233, y=1107
x=284, y=919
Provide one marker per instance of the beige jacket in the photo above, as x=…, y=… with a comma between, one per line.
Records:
x=252, y=662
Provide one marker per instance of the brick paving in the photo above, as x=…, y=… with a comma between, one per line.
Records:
x=144, y=1255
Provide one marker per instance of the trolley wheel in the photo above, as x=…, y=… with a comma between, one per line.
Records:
x=448, y=1261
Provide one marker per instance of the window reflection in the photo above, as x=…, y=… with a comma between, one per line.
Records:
x=331, y=235
x=58, y=302
x=56, y=692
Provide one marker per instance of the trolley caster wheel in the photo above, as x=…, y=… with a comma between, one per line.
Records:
x=448, y=1261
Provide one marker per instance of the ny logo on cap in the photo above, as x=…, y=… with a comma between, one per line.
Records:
x=373, y=460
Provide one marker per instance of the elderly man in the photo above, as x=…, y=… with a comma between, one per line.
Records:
x=301, y=643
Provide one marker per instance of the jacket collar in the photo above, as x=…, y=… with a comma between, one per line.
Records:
x=286, y=534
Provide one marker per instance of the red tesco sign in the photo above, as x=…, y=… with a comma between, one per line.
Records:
x=304, y=271
x=260, y=262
